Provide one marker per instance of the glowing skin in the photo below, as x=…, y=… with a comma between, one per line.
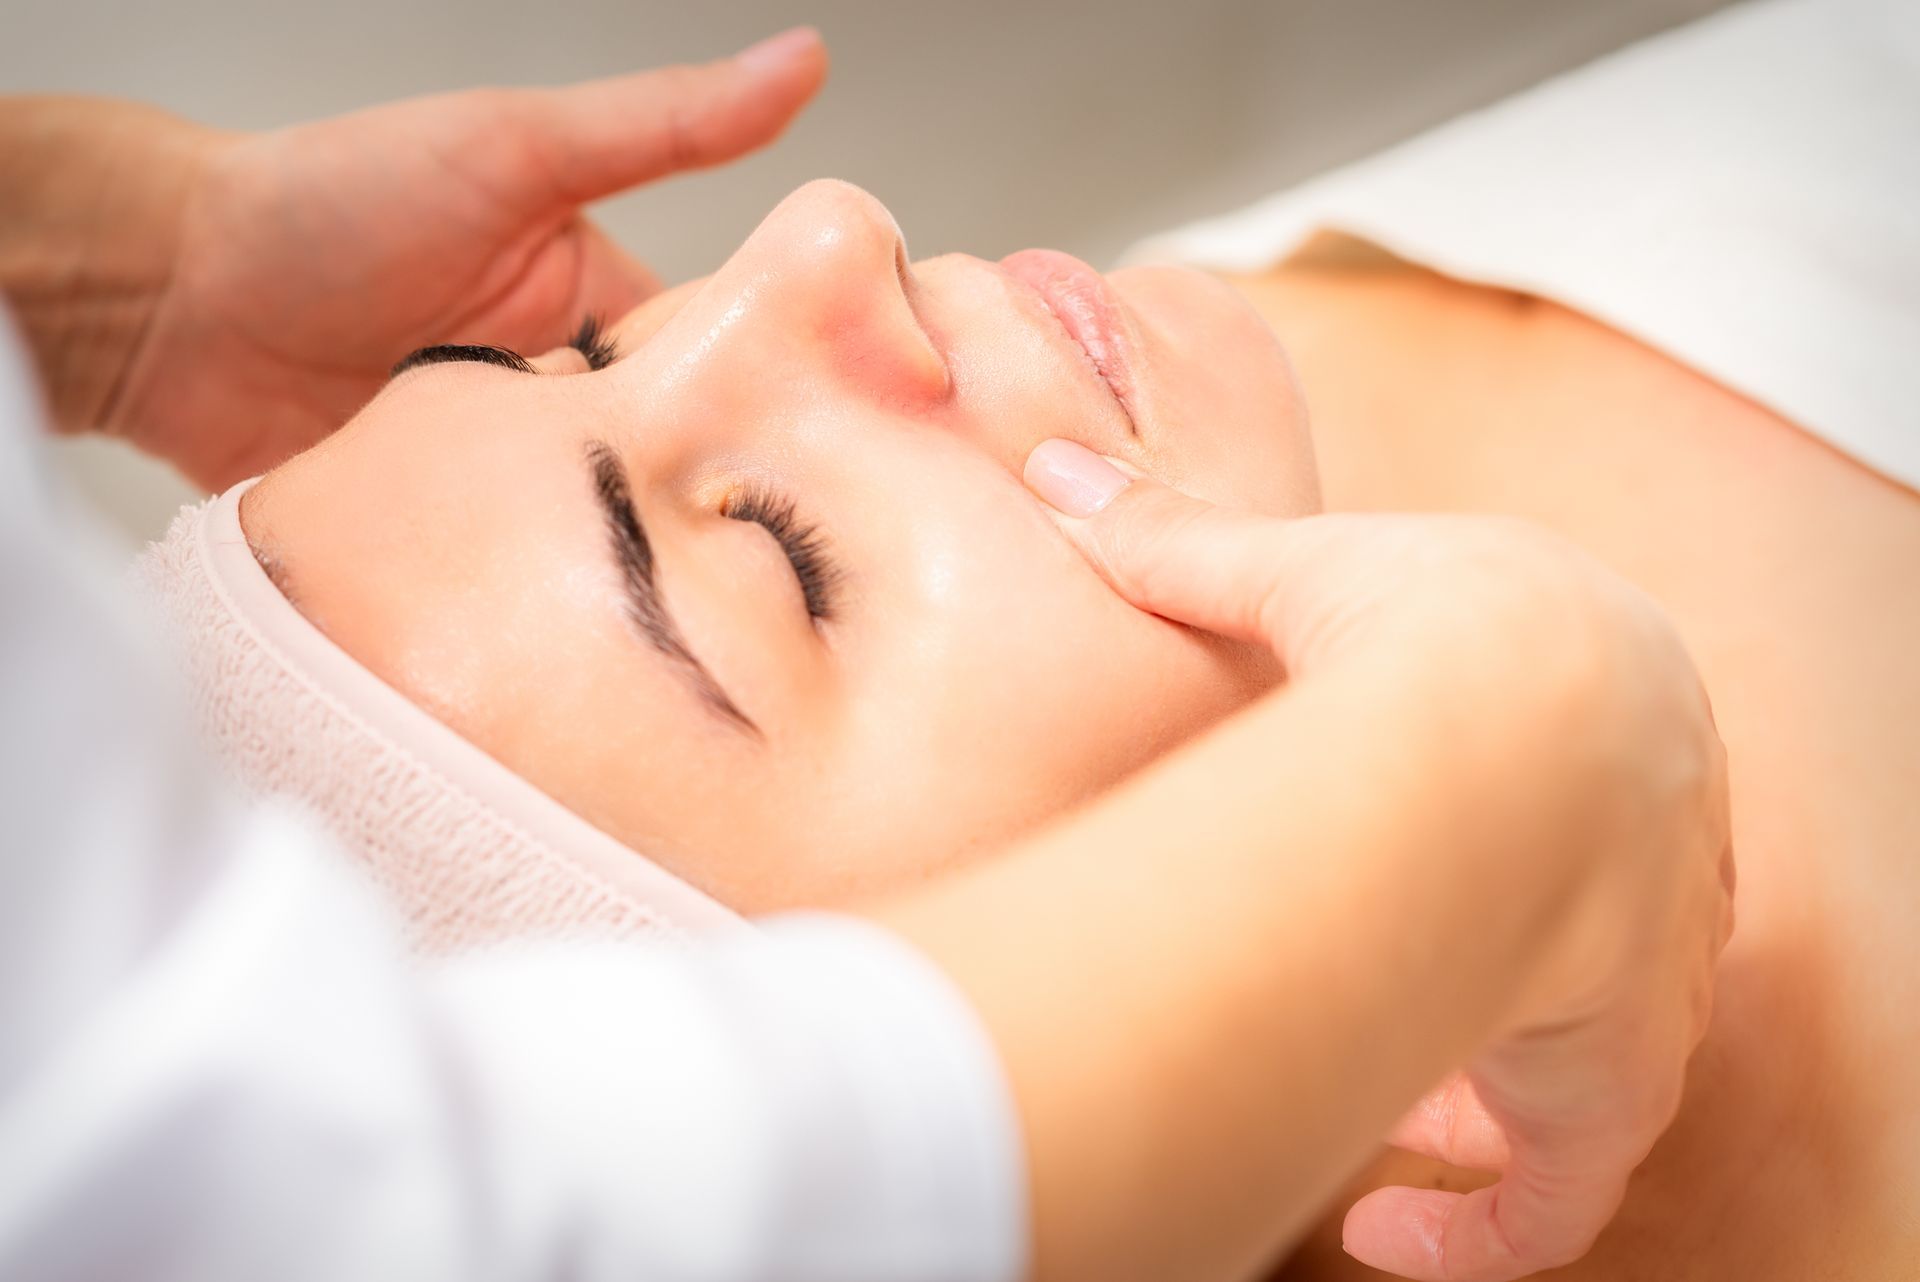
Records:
x=973, y=676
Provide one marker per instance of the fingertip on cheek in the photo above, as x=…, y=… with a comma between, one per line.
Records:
x=1072, y=478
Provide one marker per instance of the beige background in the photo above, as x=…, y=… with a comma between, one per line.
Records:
x=987, y=125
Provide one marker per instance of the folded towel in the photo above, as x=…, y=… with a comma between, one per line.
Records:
x=469, y=851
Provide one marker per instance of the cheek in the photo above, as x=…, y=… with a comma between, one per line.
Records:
x=1100, y=687
x=1032, y=686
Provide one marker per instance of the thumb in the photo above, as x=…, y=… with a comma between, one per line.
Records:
x=603, y=136
x=1232, y=572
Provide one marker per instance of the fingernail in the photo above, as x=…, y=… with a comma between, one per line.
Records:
x=1072, y=477
x=775, y=50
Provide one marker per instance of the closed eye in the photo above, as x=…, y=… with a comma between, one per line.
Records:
x=591, y=340
x=805, y=547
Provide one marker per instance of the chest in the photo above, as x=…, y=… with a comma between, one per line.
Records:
x=1790, y=571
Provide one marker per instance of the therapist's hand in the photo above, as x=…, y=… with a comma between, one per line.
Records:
x=1588, y=1068
x=309, y=259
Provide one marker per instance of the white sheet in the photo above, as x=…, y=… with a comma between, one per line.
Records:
x=1742, y=194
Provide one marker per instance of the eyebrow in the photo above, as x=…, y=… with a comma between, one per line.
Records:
x=646, y=608
x=482, y=353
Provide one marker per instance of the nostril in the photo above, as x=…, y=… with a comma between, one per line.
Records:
x=910, y=294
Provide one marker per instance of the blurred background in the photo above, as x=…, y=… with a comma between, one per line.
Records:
x=987, y=125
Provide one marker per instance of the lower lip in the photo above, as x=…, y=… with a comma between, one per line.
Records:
x=1079, y=298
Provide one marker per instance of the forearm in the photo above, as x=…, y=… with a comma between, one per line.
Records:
x=1269, y=945
x=92, y=193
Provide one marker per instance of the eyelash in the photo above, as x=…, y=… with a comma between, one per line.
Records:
x=592, y=341
x=804, y=545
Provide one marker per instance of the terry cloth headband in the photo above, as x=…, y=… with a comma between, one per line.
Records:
x=471, y=852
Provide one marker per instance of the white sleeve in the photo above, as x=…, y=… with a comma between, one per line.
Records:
x=216, y=1062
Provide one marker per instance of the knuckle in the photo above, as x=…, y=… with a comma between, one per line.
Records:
x=679, y=148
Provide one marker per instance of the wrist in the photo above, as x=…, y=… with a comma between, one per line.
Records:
x=1569, y=784
x=93, y=195
x=1506, y=712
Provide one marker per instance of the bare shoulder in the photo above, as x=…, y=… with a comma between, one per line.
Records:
x=1791, y=571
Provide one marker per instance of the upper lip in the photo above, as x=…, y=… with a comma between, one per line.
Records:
x=1080, y=299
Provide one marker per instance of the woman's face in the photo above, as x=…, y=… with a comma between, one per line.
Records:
x=597, y=576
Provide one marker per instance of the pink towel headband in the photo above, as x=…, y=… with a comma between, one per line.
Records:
x=471, y=852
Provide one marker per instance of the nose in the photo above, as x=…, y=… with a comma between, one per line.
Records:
x=830, y=264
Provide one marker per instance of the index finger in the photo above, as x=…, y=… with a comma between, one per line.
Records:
x=603, y=136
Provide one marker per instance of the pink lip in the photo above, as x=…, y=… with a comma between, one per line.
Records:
x=1079, y=298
